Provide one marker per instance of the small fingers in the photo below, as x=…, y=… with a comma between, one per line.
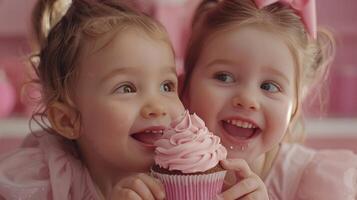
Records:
x=254, y=196
x=124, y=193
x=241, y=189
x=144, y=186
x=260, y=194
x=133, y=188
x=139, y=187
x=240, y=166
x=155, y=186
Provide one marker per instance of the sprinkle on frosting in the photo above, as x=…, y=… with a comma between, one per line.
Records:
x=188, y=146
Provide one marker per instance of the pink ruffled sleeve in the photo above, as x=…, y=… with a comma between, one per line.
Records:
x=43, y=169
x=330, y=175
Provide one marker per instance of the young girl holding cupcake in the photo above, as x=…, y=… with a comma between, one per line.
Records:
x=249, y=66
x=109, y=88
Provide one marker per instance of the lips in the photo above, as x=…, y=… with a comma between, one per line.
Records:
x=148, y=136
x=240, y=130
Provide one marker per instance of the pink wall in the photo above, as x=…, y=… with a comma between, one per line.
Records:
x=341, y=16
x=13, y=57
x=14, y=17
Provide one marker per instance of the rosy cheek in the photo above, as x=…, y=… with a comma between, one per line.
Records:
x=176, y=109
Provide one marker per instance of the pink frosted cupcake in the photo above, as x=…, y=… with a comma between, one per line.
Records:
x=187, y=160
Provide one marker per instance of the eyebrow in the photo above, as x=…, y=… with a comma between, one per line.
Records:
x=133, y=70
x=116, y=72
x=219, y=61
x=277, y=73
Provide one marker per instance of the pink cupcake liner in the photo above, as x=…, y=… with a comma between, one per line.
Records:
x=191, y=187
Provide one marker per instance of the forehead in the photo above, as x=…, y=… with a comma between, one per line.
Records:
x=124, y=43
x=124, y=48
x=121, y=38
x=248, y=44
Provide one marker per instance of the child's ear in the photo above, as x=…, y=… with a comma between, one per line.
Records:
x=64, y=120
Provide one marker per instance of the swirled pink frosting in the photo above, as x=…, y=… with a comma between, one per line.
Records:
x=188, y=146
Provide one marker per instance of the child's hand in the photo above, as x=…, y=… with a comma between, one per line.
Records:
x=250, y=185
x=138, y=187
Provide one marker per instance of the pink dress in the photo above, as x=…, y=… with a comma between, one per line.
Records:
x=300, y=173
x=44, y=168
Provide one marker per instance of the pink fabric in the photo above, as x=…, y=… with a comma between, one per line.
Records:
x=305, y=8
x=301, y=173
x=44, y=168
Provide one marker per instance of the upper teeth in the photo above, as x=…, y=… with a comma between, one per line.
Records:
x=239, y=123
x=154, y=131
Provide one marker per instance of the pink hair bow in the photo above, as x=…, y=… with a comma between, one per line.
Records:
x=305, y=8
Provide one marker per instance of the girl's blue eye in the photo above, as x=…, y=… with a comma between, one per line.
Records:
x=167, y=86
x=126, y=88
x=270, y=87
x=224, y=77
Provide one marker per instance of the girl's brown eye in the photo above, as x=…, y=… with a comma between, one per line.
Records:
x=224, y=77
x=125, y=88
x=270, y=87
x=167, y=86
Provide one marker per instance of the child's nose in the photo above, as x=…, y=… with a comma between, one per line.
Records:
x=153, y=110
x=245, y=100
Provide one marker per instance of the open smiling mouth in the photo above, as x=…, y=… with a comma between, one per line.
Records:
x=240, y=130
x=147, y=137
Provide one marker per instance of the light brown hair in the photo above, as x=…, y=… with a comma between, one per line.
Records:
x=62, y=35
x=312, y=56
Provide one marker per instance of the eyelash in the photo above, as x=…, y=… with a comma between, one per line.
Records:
x=277, y=86
x=126, y=88
x=122, y=87
x=172, y=86
x=221, y=75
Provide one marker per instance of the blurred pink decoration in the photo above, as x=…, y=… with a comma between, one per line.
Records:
x=14, y=69
x=343, y=94
x=176, y=16
x=18, y=74
x=7, y=96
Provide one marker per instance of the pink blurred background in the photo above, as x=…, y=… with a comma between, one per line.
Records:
x=339, y=16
